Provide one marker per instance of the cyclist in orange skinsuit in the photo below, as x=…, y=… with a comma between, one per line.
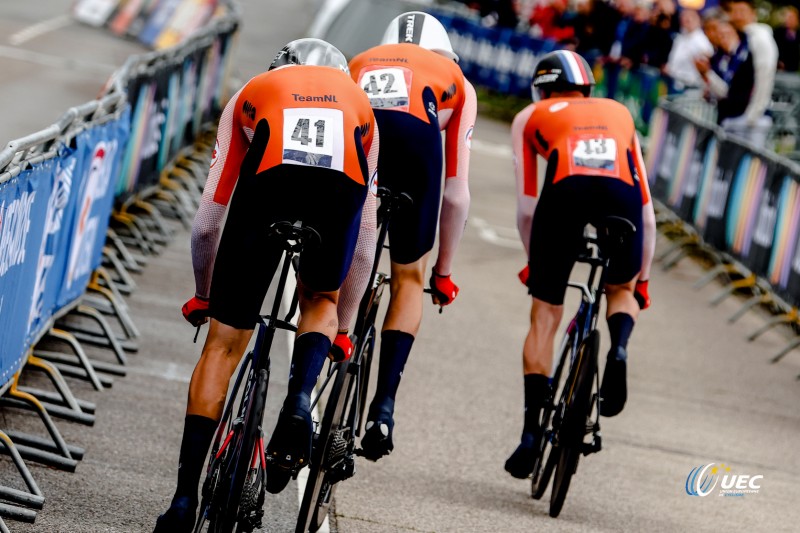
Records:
x=299, y=142
x=579, y=159
x=417, y=91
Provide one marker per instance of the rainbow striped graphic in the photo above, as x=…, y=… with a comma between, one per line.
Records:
x=655, y=143
x=684, y=153
x=704, y=190
x=139, y=123
x=783, y=252
x=745, y=198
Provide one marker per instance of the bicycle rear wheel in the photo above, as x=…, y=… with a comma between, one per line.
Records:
x=238, y=463
x=573, y=427
x=545, y=460
x=329, y=449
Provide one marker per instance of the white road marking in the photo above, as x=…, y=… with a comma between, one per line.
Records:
x=167, y=371
x=497, y=235
x=302, y=476
x=492, y=149
x=38, y=29
x=63, y=63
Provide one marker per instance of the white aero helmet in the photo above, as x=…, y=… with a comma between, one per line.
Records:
x=419, y=28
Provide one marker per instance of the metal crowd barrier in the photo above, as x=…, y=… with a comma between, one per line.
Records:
x=734, y=203
x=83, y=204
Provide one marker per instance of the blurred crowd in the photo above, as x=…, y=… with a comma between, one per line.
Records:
x=716, y=48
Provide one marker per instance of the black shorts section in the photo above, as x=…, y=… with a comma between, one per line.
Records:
x=326, y=200
x=410, y=161
x=563, y=211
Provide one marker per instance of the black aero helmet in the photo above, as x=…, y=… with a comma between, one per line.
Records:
x=560, y=71
x=310, y=51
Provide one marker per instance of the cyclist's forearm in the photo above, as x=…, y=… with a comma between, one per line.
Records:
x=358, y=276
x=453, y=218
x=648, y=239
x=205, y=237
x=526, y=205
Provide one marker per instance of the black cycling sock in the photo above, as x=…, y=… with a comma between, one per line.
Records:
x=620, y=326
x=198, y=431
x=308, y=358
x=395, y=348
x=536, y=386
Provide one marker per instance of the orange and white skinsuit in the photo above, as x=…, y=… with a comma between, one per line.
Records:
x=562, y=137
x=313, y=118
x=412, y=91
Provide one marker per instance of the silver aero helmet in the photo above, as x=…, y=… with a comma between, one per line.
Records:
x=561, y=71
x=310, y=51
x=419, y=28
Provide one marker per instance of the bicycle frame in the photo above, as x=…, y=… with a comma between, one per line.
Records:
x=233, y=429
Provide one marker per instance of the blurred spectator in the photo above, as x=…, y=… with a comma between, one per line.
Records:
x=730, y=79
x=762, y=46
x=689, y=44
x=550, y=20
x=663, y=25
x=786, y=37
x=637, y=42
x=622, y=22
x=729, y=72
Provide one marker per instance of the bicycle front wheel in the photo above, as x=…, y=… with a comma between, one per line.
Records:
x=576, y=414
x=329, y=449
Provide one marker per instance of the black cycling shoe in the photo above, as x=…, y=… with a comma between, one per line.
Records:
x=520, y=464
x=614, y=389
x=179, y=518
x=290, y=446
x=377, y=439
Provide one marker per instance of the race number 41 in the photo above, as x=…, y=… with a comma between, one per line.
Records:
x=313, y=137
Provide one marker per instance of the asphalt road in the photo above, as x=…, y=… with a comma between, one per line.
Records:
x=698, y=392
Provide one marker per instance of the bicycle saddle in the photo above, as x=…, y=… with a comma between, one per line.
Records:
x=613, y=232
x=294, y=234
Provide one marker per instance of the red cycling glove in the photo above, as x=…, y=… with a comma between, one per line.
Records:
x=195, y=311
x=341, y=349
x=641, y=294
x=443, y=290
x=524, y=274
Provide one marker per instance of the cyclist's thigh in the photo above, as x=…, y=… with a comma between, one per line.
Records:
x=557, y=237
x=246, y=261
x=331, y=204
x=617, y=198
x=410, y=161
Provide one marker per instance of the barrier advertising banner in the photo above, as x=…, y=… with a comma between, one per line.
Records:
x=24, y=202
x=741, y=201
x=100, y=151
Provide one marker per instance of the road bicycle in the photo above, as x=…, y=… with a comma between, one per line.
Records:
x=234, y=489
x=572, y=410
x=334, y=450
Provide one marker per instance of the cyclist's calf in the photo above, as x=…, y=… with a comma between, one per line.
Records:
x=222, y=351
x=318, y=311
x=620, y=299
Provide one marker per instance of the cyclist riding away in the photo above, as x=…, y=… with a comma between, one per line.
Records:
x=579, y=159
x=298, y=142
x=417, y=91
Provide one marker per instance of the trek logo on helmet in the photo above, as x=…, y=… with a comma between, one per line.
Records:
x=411, y=28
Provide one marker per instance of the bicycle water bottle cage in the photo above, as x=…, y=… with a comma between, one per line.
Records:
x=294, y=236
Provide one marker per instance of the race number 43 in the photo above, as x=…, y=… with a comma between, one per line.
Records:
x=593, y=155
x=314, y=137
